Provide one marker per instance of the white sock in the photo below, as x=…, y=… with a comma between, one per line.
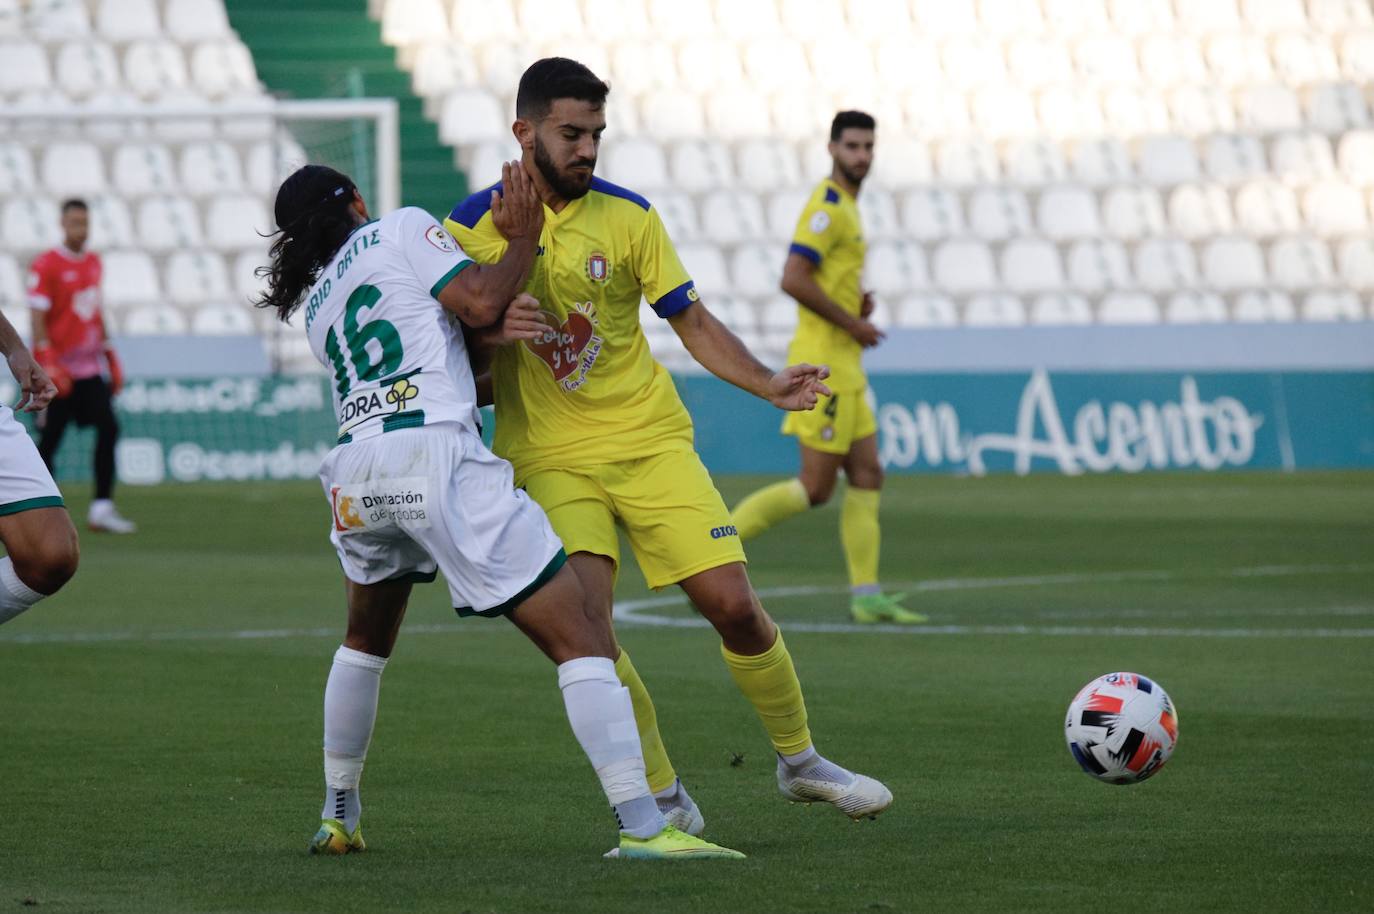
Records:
x=811, y=764
x=15, y=595
x=350, y=711
x=603, y=720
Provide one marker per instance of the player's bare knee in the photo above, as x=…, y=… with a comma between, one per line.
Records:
x=50, y=564
x=737, y=612
x=866, y=477
x=818, y=493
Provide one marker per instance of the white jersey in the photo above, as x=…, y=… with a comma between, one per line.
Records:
x=397, y=357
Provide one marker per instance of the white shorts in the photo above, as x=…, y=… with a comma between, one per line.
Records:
x=24, y=481
x=412, y=501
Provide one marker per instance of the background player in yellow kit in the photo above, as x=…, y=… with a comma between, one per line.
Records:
x=599, y=437
x=824, y=273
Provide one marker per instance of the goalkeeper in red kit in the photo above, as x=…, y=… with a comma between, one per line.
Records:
x=70, y=343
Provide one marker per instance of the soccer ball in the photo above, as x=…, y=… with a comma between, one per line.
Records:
x=1121, y=728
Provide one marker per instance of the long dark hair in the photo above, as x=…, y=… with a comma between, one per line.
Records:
x=313, y=220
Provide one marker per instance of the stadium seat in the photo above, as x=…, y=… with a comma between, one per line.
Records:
x=1204, y=17
x=210, y=169
x=1060, y=308
x=1003, y=112
x=1066, y=212
x=1302, y=158
x=907, y=64
x=122, y=21
x=878, y=212
x=1168, y=60
x=416, y=21
x=1332, y=306
x=673, y=114
x=1135, y=112
x=838, y=59
x=1239, y=59
x=1336, y=108
x=1300, y=263
x=1200, y=211
x=168, y=224
x=964, y=266
x=1233, y=158
x=1338, y=16
x=1274, y=15
x=247, y=284
x=1195, y=308
x=940, y=18
x=222, y=320
x=706, y=266
x=222, y=69
x=1141, y=17
x=701, y=165
x=970, y=62
x=29, y=224
x=738, y=114
x=196, y=277
x=679, y=215
x=1269, y=109
x=779, y=315
x=154, y=320
x=1106, y=59
x=964, y=162
x=1231, y=264
x=996, y=214
x=440, y=68
x=1034, y=162
x=1265, y=207
x=682, y=19
x=816, y=162
x=796, y=116
x=774, y=64
x=189, y=21
x=1076, y=17
x=1010, y=17
x=1095, y=266
x=1133, y=212
x=1128, y=308
x=784, y=209
x=1262, y=306
x=12, y=293
x=732, y=217
x=1355, y=257
x=483, y=162
x=932, y=213
x=501, y=61
x=143, y=169
x=1356, y=156
x=233, y=223
x=1035, y=62
x=714, y=64
x=1334, y=208
x=935, y=113
x=1198, y=110
x=16, y=169
x=892, y=269
x=1305, y=59
x=1031, y=265
x=994, y=310
x=111, y=224
x=926, y=311
x=1071, y=112
x=1168, y=160
x=756, y=270
x=129, y=278
x=634, y=163
x=1166, y=264
x=766, y=165
x=899, y=163
x=154, y=68
x=472, y=116
x=25, y=69
x=870, y=20
x=83, y=68
x=480, y=21
x=1101, y=162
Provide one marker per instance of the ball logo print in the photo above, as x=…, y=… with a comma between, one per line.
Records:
x=1121, y=728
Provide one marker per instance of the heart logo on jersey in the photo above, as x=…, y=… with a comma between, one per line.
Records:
x=562, y=349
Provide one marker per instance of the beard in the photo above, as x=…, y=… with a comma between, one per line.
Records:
x=567, y=186
x=850, y=175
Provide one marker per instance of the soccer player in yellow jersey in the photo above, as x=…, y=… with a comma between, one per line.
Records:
x=599, y=437
x=823, y=273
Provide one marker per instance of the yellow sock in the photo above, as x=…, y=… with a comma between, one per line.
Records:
x=770, y=683
x=657, y=768
x=860, y=535
x=768, y=506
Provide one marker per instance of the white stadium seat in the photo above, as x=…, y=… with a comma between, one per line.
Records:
x=1301, y=158
x=1195, y=308
x=1355, y=257
x=210, y=169
x=715, y=64
x=756, y=270
x=1274, y=15
x=155, y=320
x=196, y=277
x=1339, y=16
x=1263, y=306
x=1200, y=211
x=638, y=164
x=1035, y=62
x=995, y=214
x=1163, y=265
x=1066, y=212
x=1075, y=17
x=168, y=224
x=1356, y=156
x=415, y=21
x=1266, y=207
x=932, y=213
x=1172, y=60
x=967, y=162
x=472, y=116
x=26, y=67
x=939, y=18
x=908, y=63
x=1336, y=108
x=701, y=166
x=739, y=114
x=1099, y=162
x=1205, y=17
x=1135, y=112
x=83, y=68
x=1233, y=158
x=994, y=310
x=1239, y=59
x=247, y=284
x=12, y=293
x=222, y=320
x=784, y=209
x=1106, y=58
x=129, y=278
x=779, y=314
x=155, y=68
x=681, y=18
x=29, y=224
x=484, y=162
x=1095, y=266
x=878, y=212
x=901, y=163
x=972, y=62
x=73, y=169
x=872, y=20
x=52, y=21
x=1305, y=59
x=774, y=64
x=796, y=116
x=1332, y=306
x=1072, y=112
x=679, y=215
x=1200, y=109
x=1034, y=162
x=1269, y=108
x=1128, y=308
x=233, y=223
x=840, y=61
x=1168, y=160
x=1031, y=265
x=1133, y=212
x=925, y=310
x=1141, y=17
x=706, y=266
x=480, y=21
x=440, y=68
x=736, y=313
x=1232, y=264
x=1300, y=263
x=142, y=169
x=1001, y=112
x=732, y=217
x=936, y=113
x=189, y=21
x=895, y=268
x=1061, y=308
x=111, y=224
x=223, y=68
x=673, y=114
x=766, y=165
x=963, y=266
x=127, y=20
x=1333, y=208
x=16, y=169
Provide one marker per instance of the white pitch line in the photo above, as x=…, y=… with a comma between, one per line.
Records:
x=632, y=612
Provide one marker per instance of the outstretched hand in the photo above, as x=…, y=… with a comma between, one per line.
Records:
x=522, y=321
x=36, y=390
x=516, y=210
x=798, y=387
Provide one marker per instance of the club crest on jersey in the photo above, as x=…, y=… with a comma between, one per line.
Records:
x=572, y=348
x=598, y=267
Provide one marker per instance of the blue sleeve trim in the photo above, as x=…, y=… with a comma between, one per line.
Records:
x=470, y=211
x=615, y=190
x=676, y=301
x=810, y=254
x=832, y=195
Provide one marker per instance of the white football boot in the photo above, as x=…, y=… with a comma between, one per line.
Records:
x=859, y=797
x=103, y=518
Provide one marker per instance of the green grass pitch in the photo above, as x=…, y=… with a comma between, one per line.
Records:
x=160, y=718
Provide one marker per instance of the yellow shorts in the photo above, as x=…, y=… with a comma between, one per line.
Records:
x=674, y=518
x=835, y=424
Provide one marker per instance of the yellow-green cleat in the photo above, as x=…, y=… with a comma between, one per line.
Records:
x=334, y=841
x=671, y=844
x=880, y=607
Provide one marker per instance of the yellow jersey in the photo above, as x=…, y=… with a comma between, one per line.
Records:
x=830, y=235
x=590, y=392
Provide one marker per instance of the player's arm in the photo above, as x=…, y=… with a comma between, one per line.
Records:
x=480, y=293
x=522, y=321
x=35, y=389
x=40, y=304
x=799, y=281
x=723, y=354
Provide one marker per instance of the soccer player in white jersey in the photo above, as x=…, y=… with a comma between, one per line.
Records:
x=40, y=542
x=412, y=490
